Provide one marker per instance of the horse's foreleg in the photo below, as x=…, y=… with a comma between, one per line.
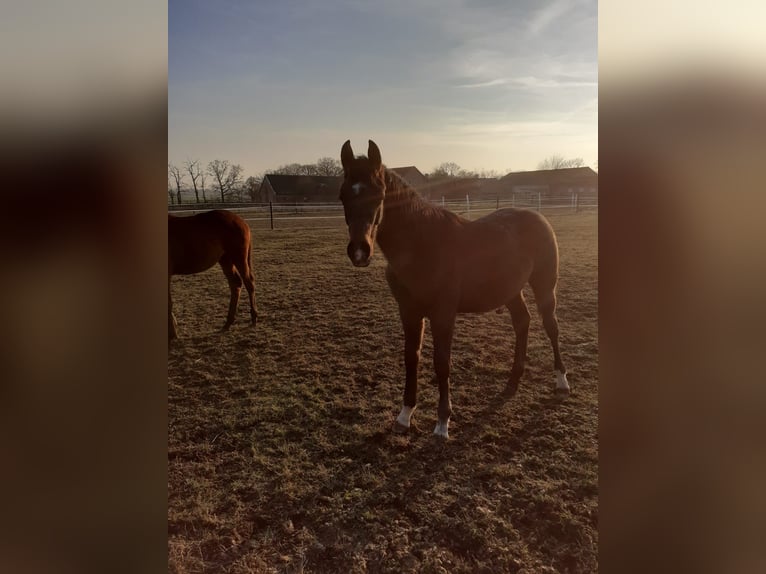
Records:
x=442, y=329
x=413, y=324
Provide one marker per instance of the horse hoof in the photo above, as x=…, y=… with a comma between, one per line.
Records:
x=561, y=393
x=441, y=430
x=512, y=387
x=399, y=428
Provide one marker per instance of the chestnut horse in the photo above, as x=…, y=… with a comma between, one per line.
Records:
x=440, y=264
x=198, y=242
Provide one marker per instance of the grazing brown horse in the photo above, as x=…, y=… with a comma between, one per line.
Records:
x=440, y=264
x=198, y=242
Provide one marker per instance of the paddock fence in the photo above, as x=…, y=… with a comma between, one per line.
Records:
x=271, y=216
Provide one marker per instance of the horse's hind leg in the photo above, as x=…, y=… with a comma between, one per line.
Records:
x=243, y=265
x=235, y=285
x=546, y=305
x=520, y=318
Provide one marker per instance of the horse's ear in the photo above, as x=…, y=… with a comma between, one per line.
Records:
x=346, y=156
x=373, y=153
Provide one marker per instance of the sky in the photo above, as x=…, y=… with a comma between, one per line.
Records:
x=487, y=84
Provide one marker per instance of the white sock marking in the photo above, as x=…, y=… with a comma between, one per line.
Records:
x=561, y=381
x=405, y=416
x=442, y=429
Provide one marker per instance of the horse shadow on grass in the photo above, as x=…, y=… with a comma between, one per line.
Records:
x=417, y=463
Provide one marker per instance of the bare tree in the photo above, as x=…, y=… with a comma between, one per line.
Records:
x=227, y=176
x=557, y=161
x=296, y=169
x=252, y=184
x=328, y=166
x=287, y=169
x=447, y=169
x=219, y=168
x=178, y=176
x=234, y=179
x=489, y=174
x=195, y=172
x=238, y=193
x=202, y=179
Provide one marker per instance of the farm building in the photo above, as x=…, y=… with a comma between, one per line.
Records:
x=316, y=188
x=299, y=188
x=552, y=182
x=454, y=188
x=411, y=175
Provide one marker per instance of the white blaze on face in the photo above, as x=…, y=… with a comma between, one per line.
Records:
x=358, y=256
x=405, y=416
x=357, y=187
x=561, y=382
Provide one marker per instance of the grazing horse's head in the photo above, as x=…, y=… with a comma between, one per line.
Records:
x=362, y=195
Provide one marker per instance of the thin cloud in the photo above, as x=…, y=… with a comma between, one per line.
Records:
x=487, y=84
x=264, y=84
x=530, y=82
x=547, y=15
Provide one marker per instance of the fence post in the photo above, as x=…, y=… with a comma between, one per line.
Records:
x=442, y=201
x=539, y=202
x=577, y=203
x=468, y=205
x=513, y=199
x=271, y=215
x=498, y=202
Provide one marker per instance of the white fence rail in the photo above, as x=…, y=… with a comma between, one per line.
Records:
x=297, y=215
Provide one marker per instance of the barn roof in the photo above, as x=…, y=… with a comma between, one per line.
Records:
x=410, y=174
x=569, y=175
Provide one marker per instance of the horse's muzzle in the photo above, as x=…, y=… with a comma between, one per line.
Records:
x=360, y=253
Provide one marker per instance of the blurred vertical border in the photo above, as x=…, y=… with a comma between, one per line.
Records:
x=682, y=250
x=83, y=401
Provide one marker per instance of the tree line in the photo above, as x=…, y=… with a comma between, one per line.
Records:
x=225, y=181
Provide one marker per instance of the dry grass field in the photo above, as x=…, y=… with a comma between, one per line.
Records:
x=281, y=456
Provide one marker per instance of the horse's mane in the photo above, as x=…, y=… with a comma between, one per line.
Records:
x=404, y=196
